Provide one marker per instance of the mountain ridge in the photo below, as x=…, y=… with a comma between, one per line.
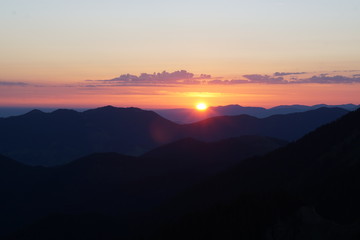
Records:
x=50, y=139
x=307, y=188
x=186, y=116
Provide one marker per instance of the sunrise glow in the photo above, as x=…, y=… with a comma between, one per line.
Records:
x=172, y=59
x=201, y=106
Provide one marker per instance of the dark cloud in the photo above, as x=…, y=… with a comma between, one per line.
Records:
x=7, y=83
x=257, y=78
x=324, y=78
x=226, y=82
x=181, y=76
x=204, y=76
x=266, y=79
x=186, y=78
x=348, y=71
x=279, y=74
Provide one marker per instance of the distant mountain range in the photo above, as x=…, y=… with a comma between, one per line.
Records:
x=309, y=189
x=289, y=127
x=186, y=115
x=55, y=138
x=39, y=138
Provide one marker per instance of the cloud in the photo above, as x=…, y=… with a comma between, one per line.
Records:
x=204, y=76
x=324, y=78
x=279, y=74
x=146, y=79
x=266, y=79
x=227, y=82
x=183, y=77
x=250, y=78
x=348, y=71
x=257, y=78
x=7, y=83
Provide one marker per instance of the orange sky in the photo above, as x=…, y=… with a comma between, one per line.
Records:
x=265, y=95
x=48, y=49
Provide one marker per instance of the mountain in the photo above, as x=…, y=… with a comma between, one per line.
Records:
x=186, y=115
x=212, y=157
x=288, y=127
x=50, y=139
x=88, y=226
x=17, y=182
x=309, y=189
x=113, y=185
x=16, y=111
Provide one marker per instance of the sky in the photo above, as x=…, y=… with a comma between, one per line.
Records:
x=76, y=53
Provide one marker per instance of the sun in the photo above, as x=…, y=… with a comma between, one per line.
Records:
x=201, y=106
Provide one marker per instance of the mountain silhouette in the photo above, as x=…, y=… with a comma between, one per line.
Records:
x=87, y=226
x=113, y=184
x=308, y=188
x=212, y=157
x=55, y=138
x=288, y=127
x=186, y=115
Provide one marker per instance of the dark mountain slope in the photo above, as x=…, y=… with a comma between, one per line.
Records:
x=97, y=183
x=116, y=185
x=72, y=227
x=213, y=157
x=8, y=164
x=17, y=183
x=314, y=157
x=309, y=188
